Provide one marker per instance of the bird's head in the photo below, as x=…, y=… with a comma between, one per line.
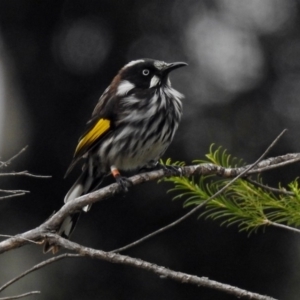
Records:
x=145, y=74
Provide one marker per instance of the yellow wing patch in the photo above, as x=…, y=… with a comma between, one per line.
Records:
x=91, y=136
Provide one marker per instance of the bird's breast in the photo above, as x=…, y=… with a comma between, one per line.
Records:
x=144, y=129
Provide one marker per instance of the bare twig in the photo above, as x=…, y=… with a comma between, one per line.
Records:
x=14, y=236
x=282, y=226
x=24, y=173
x=13, y=191
x=197, y=208
x=271, y=189
x=6, y=163
x=16, y=193
x=12, y=196
x=158, y=270
x=21, y=295
x=36, y=267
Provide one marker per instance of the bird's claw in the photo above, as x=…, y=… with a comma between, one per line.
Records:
x=124, y=183
x=171, y=168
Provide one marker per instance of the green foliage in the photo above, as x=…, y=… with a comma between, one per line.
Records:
x=248, y=205
x=221, y=158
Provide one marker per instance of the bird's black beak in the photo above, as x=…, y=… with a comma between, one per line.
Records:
x=172, y=66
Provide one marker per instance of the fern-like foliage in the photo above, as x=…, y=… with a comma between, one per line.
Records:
x=243, y=203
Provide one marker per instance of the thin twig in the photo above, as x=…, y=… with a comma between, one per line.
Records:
x=12, y=196
x=6, y=163
x=24, y=173
x=187, y=215
x=19, y=237
x=21, y=295
x=282, y=226
x=13, y=191
x=36, y=267
x=271, y=189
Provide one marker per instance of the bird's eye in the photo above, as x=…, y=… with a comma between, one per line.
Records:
x=145, y=72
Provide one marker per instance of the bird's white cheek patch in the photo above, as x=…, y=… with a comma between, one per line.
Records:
x=154, y=81
x=124, y=87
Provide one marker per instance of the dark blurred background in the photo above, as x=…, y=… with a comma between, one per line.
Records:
x=242, y=89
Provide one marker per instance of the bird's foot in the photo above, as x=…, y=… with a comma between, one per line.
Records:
x=171, y=169
x=123, y=182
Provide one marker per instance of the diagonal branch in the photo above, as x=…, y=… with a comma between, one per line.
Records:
x=24, y=173
x=21, y=295
x=6, y=163
x=36, y=267
x=296, y=230
x=12, y=196
x=13, y=191
x=158, y=270
x=269, y=188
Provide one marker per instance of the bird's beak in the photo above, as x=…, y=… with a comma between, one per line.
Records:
x=172, y=66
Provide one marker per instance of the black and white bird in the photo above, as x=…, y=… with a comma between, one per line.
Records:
x=131, y=127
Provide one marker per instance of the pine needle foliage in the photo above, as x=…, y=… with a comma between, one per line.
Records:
x=243, y=203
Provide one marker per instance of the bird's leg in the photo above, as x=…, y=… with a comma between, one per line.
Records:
x=122, y=181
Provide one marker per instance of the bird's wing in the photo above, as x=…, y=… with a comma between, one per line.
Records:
x=96, y=128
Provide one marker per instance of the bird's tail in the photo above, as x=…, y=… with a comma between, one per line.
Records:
x=86, y=183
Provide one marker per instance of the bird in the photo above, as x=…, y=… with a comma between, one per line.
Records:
x=131, y=127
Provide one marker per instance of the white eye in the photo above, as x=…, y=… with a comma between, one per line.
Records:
x=145, y=72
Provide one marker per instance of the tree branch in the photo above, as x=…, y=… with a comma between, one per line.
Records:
x=15, y=193
x=271, y=189
x=268, y=222
x=158, y=270
x=24, y=173
x=6, y=163
x=21, y=295
x=12, y=196
x=36, y=267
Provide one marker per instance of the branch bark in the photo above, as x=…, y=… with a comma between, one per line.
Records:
x=158, y=270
